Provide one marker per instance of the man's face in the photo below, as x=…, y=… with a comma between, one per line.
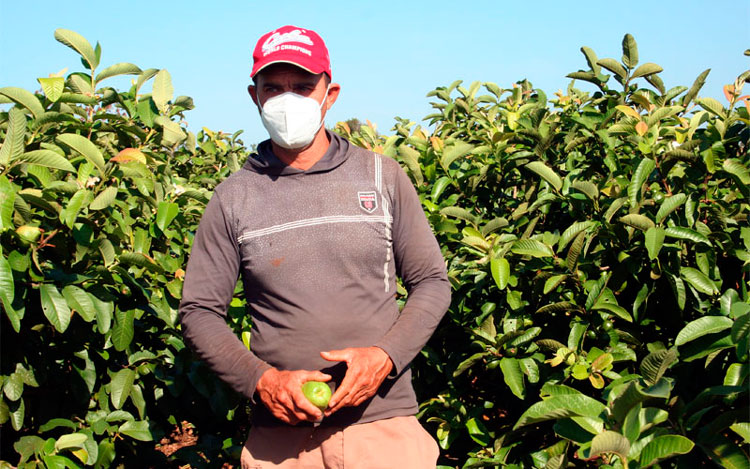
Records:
x=281, y=78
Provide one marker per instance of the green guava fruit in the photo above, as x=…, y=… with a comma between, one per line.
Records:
x=317, y=392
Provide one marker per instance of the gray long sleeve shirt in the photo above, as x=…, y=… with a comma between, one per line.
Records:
x=318, y=252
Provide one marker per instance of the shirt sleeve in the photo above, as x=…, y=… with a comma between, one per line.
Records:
x=421, y=267
x=210, y=279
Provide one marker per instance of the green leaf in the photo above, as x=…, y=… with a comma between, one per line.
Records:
x=52, y=87
x=76, y=203
x=46, y=158
x=629, y=53
x=17, y=414
x=478, y=432
x=123, y=332
x=532, y=247
x=613, y=66
x=141, y=260
x=724, y=452
x=699, y=281
x=468, y=363
x=644, y=170
x=7, y=203
x=646, y=70
x=26, y=446
x=172, y=132
x=85, y=147
x=500, y=269
x=494, y=225
x=553, y=282
x=654, y=241
x=138, y=430
x=24, y=98
x=104, y=199
x=15, y=137
x=410, y=157
x=588, y=188
x=740, y=328
x=165, y=213
x=513, y=376
x=664, y=446
x=80, y=301
x=13, y=387
x=122, y=68
x=680, y=232
x=610, y=442
x=736, y=168
x=572, y=231
x=631, y=426
x=71, y=440
x=591, y=59
x=702, y=326
x=559, y=307
x=713, y=106
x=561, y=406
x=547, y=173
x=163, y=90
x=54, y=306
x=120, y=387
x=697, y=85
x=574, y=252
x=742, y=429
x=7, y=284
x=736, y=374
x=460, y=213
x=636, y=220
x=454, y=151
x=669, y=205
x=79, y=44
x=657, y=83
x=656, y=364
x=438, y=187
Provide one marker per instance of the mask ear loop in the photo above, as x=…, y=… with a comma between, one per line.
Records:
x=321, y=106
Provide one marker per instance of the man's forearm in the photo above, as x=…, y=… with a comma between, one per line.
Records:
x=224, y=353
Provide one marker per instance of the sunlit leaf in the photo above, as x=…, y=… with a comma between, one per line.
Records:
x=24, y=98
x=557, y=407
x=163, y=90
x=664, y=446
x=702, y=326
x=699, y=281
x=54, y=306
x=85, y=147
x=120, y=387
x=547, y=173
x=13, y=145
x=79, y=44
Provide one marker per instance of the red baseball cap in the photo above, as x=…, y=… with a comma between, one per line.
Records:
x=290, y=44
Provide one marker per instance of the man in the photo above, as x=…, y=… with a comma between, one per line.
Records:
x=318, y=230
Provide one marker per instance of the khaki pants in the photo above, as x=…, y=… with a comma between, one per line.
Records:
x=394, y=443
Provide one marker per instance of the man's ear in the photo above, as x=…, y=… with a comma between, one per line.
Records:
x=333, y=94
x=253, y=93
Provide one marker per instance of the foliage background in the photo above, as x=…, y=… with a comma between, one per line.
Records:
x=207, y=46
x=597, y=244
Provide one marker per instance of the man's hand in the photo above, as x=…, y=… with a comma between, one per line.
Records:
x=281, y=392
x=366, y=370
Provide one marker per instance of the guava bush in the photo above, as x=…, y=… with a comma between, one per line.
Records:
x=597, y=243
x=598, y=246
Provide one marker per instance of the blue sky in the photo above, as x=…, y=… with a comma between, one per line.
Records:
x=386, y=55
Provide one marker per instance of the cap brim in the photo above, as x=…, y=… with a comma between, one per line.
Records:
x=285, y=62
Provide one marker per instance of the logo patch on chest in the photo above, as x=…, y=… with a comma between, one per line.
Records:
x=367, y=201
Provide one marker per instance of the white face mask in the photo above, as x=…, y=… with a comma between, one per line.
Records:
x=292, y=120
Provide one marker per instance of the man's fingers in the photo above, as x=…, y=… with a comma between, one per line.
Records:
x=316, y=376
x=337, y=355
